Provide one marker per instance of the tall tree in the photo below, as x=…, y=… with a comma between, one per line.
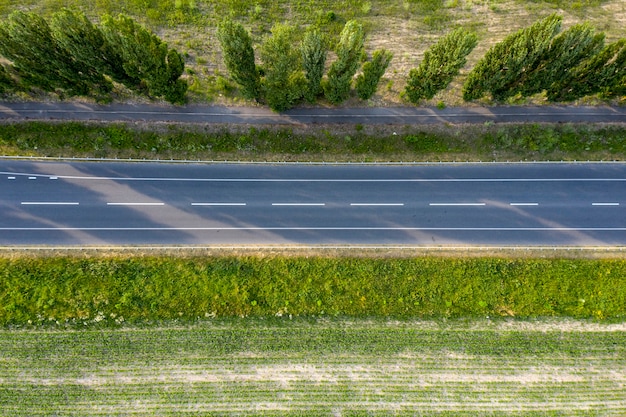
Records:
x=441, y=63
x=313, y=62
x=349, y=51
x=147, y=61
x=239, y=57
x=603, y=73
x=367, y=82
x=87, y=45
x=284, y=82
x=27, y=41
x=566, y=51
x=502, y=66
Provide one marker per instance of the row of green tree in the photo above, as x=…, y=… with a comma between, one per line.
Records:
x=290, y=73
x=567, y=65
x=70, y=55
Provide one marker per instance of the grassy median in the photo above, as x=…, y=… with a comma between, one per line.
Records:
x=329, y=143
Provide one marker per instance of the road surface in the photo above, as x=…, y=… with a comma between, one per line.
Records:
x=53, y=203
x=262, y=115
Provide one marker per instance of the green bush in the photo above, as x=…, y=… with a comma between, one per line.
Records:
x=367, y=82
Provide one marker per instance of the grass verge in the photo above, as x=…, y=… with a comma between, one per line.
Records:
x=74, y=291
x=329, y=143
x=323, y=367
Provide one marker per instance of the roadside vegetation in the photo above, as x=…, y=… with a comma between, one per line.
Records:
x=449, y=52
x=75, y=292
x=319, y=143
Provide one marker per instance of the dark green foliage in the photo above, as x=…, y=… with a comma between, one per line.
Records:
x=349, y=51
x=604, y=73
x=160, y=288
x=27, y=41
x=6, y=81
x=502, y=66
x=72, y=56
x=284, y=82
x=87, y=44
x=367, y=82
x=566, y=51
x=239, y=57
x=442, y=62
x=147, y=61
x=313, y=62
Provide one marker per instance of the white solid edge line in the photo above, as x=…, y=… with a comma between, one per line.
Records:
x=135, y=204
x=298, y=204
x=605, y=204
x=469, y=229
x=346, y=180
x=377, y=204
x=457, y=204
x=218, y=204
x=49, y=203
x=524, y=204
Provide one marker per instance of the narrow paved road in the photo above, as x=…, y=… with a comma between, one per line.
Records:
x=194, y=204
x=262, y=115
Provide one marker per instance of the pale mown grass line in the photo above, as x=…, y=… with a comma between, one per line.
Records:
x=387, y=368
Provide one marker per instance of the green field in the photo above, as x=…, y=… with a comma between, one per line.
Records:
x=323, y=367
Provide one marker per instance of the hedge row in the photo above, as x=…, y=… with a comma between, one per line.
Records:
x=68, y=289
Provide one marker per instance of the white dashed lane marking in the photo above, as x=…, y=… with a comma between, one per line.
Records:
x=50, y=203
x=298, y=204
x=218, y=204
x=135, y=204
x=377, y=204
x=457, y=204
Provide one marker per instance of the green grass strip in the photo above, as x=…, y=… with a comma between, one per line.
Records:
x=325, y=143
x=140, y=289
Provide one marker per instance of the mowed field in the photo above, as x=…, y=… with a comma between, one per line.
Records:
x=407, y=28
x=318, y=367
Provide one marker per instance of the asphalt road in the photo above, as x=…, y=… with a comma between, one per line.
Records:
x=262, y=115
x=45, y=203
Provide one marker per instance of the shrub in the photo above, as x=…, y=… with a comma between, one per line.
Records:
x=367, y=82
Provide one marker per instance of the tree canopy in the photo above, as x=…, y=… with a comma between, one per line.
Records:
x=441, y=63
x=349, y=51
x=239, y=57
